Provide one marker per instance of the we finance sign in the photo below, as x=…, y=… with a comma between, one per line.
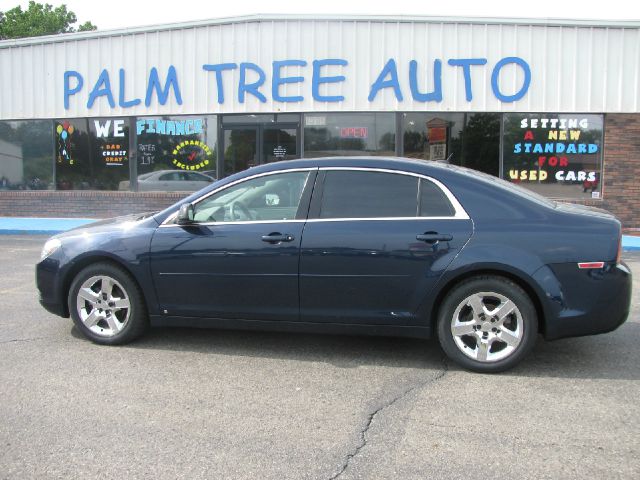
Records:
x=275, y=82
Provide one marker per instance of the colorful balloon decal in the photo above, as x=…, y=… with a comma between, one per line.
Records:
x=64, y=131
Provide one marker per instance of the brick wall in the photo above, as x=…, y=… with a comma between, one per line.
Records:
x=88, y=204
x=621, y=190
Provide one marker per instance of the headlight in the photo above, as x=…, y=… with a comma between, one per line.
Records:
x=50, y=246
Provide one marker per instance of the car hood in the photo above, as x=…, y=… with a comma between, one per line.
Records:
x=111, y=224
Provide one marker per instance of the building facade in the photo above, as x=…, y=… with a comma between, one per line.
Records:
x=105, y=123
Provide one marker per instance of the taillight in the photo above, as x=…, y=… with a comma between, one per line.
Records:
x=619, y=255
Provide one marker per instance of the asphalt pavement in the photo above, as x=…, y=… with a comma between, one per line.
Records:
x=184, y=403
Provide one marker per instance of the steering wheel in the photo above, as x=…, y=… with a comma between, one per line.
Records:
x=238, y=210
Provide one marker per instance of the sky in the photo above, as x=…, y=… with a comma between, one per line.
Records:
x=114, y=14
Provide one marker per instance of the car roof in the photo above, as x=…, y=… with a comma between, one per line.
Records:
x=425, y=167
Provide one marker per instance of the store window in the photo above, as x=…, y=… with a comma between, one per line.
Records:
x=25, y=155
x=335, y=134
x=91, y=154
x=468, y=140
x=556, y=155
x=186, y=143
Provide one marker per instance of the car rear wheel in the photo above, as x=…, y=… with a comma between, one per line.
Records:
x=487, y=324
x=106, y=305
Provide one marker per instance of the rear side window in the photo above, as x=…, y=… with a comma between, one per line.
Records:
x=169, y=177
x=365, y=194
x=196, y=177
x=433, y=201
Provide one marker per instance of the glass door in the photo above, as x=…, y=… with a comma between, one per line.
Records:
x=250, y=140
x=279, y=142
x=240, y=146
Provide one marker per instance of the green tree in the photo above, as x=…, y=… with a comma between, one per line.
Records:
x=39, y=19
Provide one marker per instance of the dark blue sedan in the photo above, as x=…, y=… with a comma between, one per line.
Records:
x=350, y=245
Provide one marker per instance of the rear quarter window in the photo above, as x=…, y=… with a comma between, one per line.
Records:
x=433, y=201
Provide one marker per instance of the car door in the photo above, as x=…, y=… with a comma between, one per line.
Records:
x=375, y=244
x=239, y=259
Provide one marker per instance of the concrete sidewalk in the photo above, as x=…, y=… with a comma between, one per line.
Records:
x=51, y=226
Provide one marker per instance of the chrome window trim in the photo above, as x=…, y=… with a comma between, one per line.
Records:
x=168, y=221
x=460, y=212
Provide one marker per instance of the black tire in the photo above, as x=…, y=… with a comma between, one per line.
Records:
x=124, y=324
x=458, y=303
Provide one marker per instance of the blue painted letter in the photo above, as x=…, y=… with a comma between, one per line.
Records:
x=436, y=94
x=496, y=73
x=163, y=93
x=317, y=79
x=219, y=68
x=278, y=80
x=122, y=102
x=252, y=88
x=68, y=91
x=466, y=63
x=380, y=83
x=102, y=88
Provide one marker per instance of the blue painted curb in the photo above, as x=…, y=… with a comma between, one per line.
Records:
x=630, y=243
x=39, y=226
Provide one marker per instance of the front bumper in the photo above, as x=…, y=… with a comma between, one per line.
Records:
x=48, y=283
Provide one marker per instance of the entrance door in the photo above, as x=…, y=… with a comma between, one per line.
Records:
x=279, y=143
x=240, y=146
x=246, y=146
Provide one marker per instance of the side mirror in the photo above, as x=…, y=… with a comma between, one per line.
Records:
x=186, y=214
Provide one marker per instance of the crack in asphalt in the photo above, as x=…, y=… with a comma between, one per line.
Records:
x=17, y=340
x=363, y=432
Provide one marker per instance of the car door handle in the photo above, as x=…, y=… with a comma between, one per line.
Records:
x=434, y=237
x=278, y=237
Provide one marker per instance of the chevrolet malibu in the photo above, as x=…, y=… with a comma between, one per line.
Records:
x=353, y=246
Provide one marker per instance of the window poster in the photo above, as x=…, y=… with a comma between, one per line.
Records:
x=559, y=156
x=111, y=141
x=183, y=143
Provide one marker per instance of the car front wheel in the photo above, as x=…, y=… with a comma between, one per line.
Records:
x=487, y=324
x=106, y=305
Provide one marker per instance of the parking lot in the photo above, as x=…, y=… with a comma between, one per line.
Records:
x=183, y=403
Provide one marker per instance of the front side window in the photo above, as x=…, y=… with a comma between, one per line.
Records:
x=268, y=198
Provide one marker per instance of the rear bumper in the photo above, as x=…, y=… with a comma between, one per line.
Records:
x=585, y=302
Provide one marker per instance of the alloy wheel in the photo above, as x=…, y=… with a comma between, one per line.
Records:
x=487, y=327
x=103, y=305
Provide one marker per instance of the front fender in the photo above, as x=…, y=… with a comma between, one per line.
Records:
x=128, y=249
